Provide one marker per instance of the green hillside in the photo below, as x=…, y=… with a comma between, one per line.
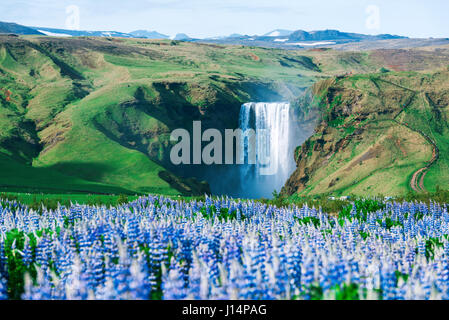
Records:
x=384, y=133
x=94, y=115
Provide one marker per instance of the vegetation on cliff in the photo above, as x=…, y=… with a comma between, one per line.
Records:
x=94, y=115
x=380, y=133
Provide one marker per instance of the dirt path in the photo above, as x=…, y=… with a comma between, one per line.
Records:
x=414, y=181
x=417, y=181
x=421, y=181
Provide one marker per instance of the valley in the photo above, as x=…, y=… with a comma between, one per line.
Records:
x=94, y=115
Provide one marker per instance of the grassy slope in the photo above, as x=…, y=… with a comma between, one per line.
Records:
x=370, y=142
x=16, y=176
x=429, y=113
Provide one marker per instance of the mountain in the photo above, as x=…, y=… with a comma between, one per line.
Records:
x=182, y=36
x=235, y=35
x=333, y=39
x=80, y=33
x=148, y=34
x=278, y=33
x=279, y=38
x=301, y=35
x=9, y=27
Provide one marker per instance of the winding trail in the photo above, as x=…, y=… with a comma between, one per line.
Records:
x=417, y=180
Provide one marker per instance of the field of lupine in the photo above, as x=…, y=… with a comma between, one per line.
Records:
x=159, y=248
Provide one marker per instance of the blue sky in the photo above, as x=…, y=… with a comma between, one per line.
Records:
x=203, y=18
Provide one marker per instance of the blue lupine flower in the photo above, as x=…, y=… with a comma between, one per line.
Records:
x=3, y=289
x=122, y=252
x=27, y=254
x=173, y=285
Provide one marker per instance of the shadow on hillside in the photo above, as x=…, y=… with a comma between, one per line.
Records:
x=90, y=171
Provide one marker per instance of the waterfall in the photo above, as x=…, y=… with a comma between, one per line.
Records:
x=274, y=154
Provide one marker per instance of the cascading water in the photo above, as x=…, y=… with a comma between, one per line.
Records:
x=265, y=160
x=274, y=154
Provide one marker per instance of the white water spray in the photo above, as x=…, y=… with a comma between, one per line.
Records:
x=274, y=154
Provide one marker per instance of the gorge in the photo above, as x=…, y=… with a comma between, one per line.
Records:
x=93, y=115
x=262, y=151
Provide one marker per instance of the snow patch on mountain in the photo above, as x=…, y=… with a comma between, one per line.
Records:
x=274, y=34
x=322, y=43
x=54, y=34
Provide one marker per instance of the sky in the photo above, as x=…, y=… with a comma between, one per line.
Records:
x=206, y=18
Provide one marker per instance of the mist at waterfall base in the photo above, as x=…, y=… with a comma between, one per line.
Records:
x=282, y=136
